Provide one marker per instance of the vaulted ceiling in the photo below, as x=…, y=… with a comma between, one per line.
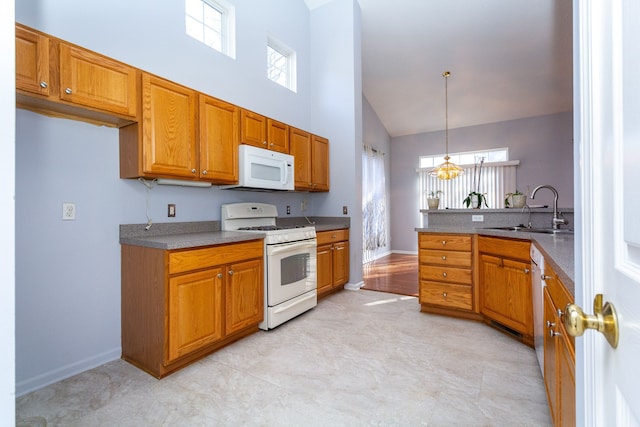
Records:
x=508, y=59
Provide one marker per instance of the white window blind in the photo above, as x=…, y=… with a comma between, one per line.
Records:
x=496, y=181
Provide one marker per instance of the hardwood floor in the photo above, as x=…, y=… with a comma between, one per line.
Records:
x=395, y=273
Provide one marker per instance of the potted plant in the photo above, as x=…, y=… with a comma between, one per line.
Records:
x=433, y=199
x=475, y=200
x=517, y=198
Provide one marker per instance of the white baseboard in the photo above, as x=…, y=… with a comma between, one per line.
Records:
x=43, y=380
x=405, y=252
x=354, y=286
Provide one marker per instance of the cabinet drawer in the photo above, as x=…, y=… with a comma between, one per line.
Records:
x=508, y=248
x=446, y=295
x=458, y=259
x=448, y=242
x=195, y=259
x=326, y=237
x=445, y=274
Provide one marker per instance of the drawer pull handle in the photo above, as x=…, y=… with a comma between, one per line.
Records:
x=444, y=242
x=444, y=274
x=444, y=295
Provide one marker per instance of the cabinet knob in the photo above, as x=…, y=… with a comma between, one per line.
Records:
x=444, y=274
x=543, y=277
x=68, y=91
x=444, y=295
x=44, y=85
x=271, y=145
x=526, y=271
x=193, y=170
x=204, y=172
x=219, y=276
x=264, y=142
x=444, y=258
x=553, y=333
x=550, y=324
x=230, y=272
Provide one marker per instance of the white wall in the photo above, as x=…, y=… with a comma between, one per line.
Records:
x=336, y=105
x=544, y=146
x=68, y=272
x=376, y=136
x=7, y=215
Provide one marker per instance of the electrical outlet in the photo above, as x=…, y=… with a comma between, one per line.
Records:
x=171, y=210
x=68, y=211
x=477, y=218
x=288, y=210
x=345, y=211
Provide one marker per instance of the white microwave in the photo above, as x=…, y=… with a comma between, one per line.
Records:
x=263, y=169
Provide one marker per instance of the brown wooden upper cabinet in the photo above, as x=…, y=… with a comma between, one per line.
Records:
x=263, y=132
x=32, y=62
x=68, y=81
x=163, y=143
x=219, y=140
x=311, y=156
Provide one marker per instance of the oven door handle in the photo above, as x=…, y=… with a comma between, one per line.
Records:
x=288, y=247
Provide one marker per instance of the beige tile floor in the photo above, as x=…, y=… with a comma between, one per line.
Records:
x=359, y=358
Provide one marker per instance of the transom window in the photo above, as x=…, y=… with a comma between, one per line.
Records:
x=281, y=64
x=467, y=158
x=212, y=22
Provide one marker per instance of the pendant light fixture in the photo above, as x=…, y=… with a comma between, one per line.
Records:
x=447, y=170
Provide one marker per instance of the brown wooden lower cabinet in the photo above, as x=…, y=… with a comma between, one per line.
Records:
x=446, y=274
x=332, y=261
x=559, y=353
x=505, y=284
x=180, y=305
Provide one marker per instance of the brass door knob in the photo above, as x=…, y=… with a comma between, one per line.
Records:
x=603, y=320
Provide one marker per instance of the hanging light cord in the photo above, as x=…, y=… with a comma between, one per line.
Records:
x=446, y=75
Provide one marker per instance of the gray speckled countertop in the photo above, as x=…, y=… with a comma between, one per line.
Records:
x=557, y=249
x=184, y=235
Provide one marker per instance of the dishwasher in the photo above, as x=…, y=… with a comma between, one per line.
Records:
x=537, y=286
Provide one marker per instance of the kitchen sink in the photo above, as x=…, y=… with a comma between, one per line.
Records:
x=524, y=229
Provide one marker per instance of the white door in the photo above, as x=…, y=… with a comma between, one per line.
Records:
x=607, y=103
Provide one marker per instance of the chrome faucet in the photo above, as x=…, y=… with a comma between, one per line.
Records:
x=556, y=221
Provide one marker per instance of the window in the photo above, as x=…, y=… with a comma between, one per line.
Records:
x=498, y=177
x=212, y=23
x=281, y=64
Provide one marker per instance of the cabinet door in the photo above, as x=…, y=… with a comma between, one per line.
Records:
x=244, y=295
x=340, y=263
x=324, y=265
x=566, y=381
x=278, y=136
x=218, y=140
x=320, y=163
x=93, y=80
x=32, y=61
x=195, y=311
x=550, y=366
x=301, y=151
x=253, y=129
x=506, y=292
x=169, y=131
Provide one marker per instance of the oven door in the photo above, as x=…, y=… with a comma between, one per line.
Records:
x=291, y=270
